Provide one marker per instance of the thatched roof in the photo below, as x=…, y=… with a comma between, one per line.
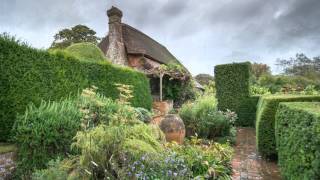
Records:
x=136, y=42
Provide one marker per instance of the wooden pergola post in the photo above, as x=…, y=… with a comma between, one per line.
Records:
x=161, y=77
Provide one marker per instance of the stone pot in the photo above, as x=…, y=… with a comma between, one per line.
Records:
x=173, y=128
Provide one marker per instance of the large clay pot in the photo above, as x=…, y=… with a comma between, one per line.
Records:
x=164, y=107
x=156, y=120
x=173, y=128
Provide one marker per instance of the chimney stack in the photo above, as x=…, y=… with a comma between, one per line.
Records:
x=114, y=15
x=116, y=51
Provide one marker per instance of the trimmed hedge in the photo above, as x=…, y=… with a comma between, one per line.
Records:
x=298, y=140
x=86, y=52
x=31, y=75
x=267, y=108
x=232, y=85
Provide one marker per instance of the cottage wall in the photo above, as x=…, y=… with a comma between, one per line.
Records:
x=141, y=63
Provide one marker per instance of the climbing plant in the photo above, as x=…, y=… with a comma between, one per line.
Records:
x=175, y=82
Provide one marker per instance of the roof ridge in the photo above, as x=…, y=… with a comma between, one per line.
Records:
x=135, y=29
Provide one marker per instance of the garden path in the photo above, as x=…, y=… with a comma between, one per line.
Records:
x=246, y=163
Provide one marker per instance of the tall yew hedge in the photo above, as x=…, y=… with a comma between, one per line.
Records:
x=30, y=75
x=298, y=140
x=232, y=84
x=265, y=123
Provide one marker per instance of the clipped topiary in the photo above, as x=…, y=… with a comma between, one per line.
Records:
x=86, y=52
x=232, y=85
x=266, y=111
x=298, y=140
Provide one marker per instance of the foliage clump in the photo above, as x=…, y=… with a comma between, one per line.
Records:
x=77, y=34
x=204, y=79
x=203, y=118
x=175, y=83
x=44, y=133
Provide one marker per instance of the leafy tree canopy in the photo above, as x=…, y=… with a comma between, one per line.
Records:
x=301, y=65
x=204, y=79
x=76, y=34
x=259, y=69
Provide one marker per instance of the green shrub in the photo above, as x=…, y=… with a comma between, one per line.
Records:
x=203, y=118
x=232, y=91
x=206, y=162
x=298, y=140
x=31, y=75
x=45, y=133
x=189, y=161
x=265, y=122
x=292, y=83
x=110, y=146
x=86, y=52
x=143, y=114
x=310, y=90
x=54, y=171
x=259, y=90
x=178, y=91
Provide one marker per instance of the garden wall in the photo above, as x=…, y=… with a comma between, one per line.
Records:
x=232, y=84
x=298, y=140
x=31, y=75
x=267, y=108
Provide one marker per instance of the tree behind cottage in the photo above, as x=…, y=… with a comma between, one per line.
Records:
x=76, y=34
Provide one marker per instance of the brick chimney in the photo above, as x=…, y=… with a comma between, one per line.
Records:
x=116, y=51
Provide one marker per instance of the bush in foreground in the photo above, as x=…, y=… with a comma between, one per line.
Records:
x=267, y=108
x=44, y=133
x=123, y=147
x=298, y=140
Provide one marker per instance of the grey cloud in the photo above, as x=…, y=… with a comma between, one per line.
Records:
x=200, y=33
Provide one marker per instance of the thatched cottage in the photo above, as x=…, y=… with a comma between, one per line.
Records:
x=127, y=46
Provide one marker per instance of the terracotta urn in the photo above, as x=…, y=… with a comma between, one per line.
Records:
x=163, y=107
x=156, y=119
x=173, y=128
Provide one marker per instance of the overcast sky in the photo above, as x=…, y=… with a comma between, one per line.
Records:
x=200, y=33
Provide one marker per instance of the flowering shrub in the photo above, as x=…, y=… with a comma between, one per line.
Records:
x=166, y=165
